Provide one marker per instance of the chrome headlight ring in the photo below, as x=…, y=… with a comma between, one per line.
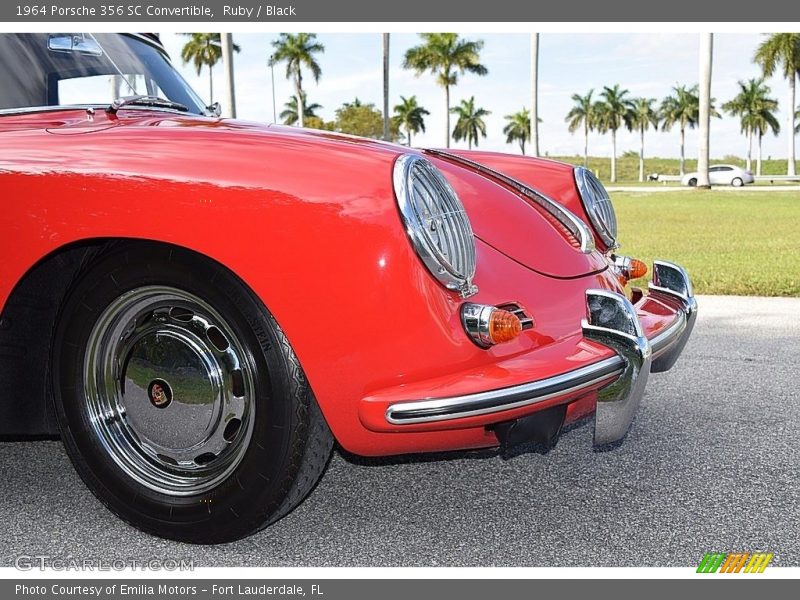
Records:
x=598, y=206
x=436, y=223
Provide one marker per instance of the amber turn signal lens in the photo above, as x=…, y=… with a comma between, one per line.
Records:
x=637, y=269
x=503, y=326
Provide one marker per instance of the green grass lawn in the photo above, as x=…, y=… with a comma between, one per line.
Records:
x=628, y=166
x=743, y=243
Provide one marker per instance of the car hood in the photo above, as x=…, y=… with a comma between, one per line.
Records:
x=516, y=226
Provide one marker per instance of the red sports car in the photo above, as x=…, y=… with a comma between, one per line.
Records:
x=201, y=306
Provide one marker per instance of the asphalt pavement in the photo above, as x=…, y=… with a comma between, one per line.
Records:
x=712, y=463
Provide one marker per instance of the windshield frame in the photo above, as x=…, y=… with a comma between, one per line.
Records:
x=146, y=39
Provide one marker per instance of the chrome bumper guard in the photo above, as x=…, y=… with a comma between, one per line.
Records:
x=612, y=321
x=671, y=282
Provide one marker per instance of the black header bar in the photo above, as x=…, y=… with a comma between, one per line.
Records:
x=364, y=11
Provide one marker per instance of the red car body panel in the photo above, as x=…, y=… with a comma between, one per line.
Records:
x=552, y=178
x=308, y=221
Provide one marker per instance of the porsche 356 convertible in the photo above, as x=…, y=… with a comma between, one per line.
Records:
x=200, y=306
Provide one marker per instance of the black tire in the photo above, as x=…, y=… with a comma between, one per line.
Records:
x=693, y=182
x=737, y=182
x=290, y=443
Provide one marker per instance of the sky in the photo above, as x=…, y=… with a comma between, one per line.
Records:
x=648, y=65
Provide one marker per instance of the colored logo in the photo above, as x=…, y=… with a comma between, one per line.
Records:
x=160, y=393
x=734, y=562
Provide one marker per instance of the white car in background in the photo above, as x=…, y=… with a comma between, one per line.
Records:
x=721, y=175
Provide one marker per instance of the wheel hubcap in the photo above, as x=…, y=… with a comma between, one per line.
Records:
x=169, y=390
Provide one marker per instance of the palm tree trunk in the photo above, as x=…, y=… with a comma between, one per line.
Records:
x=749, y=165
x=641, y=154
x=534, y=94
x=683, y=140
x=706, y=57
x=116, y=87
x=613, y=156
x=522, y=146
x=386, y=87
x=229, y=109
x=298, y=91
x=790, y=161
x=758, y=158
x=447, y=115
x=272, y=77
x=585, y=144
x=409, y=138
x=210, y=76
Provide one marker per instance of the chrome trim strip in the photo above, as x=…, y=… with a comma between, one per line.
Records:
x=484, y=403
x=613, y=322
x=566, y=217
x=65, y=107
x=513, y=307
x=38, y=109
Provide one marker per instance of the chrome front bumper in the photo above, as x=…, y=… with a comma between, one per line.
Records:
x=611, y=321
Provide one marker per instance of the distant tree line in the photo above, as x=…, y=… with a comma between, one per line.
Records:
x=448, y=57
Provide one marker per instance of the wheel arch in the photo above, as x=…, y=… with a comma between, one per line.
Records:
x=27, y=324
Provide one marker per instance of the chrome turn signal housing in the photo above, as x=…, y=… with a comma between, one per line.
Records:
x=488, y=325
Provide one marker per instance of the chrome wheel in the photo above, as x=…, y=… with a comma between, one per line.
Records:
x=169, y=390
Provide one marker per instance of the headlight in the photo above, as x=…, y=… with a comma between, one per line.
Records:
x=598, y=206
x=436, y=222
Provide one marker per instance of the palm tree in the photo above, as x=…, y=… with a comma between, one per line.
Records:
x=410, y=116
x=470, y=122
x=518, y=128
x=749, y=105
x=290, y=115
x=356, y=103
x=446, y=56
x=298, y=50
x=643, y=115
x=783, y=50
x=683, y=108
x=204, y=50
x=582, y=114
x=613, y=111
